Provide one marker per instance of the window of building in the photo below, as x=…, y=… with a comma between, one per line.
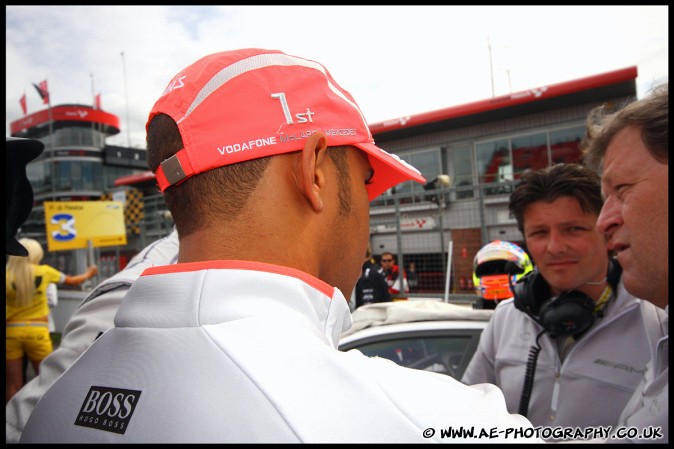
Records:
x=39, y=175
x=92, y=176
x=529, y=152
x=428, y=162
x=493, y=161
x=113, y=173
x=62, y=175
x=461, y=171
x=506, y=159
x=84, y=135
x=564, y=144
x=78, y=175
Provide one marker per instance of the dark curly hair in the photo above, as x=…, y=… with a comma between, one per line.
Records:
x=559, y=180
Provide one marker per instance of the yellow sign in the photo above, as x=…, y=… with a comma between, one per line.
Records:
x=72, y=224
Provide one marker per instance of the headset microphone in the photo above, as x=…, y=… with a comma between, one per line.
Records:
x=602, y=282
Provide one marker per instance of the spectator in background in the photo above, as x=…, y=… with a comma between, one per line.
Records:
x=371, y=286
x=631, y=150
x=558, y=348
x=412, y=277
x=27, y=311
x=268, y=168
x=398, y=286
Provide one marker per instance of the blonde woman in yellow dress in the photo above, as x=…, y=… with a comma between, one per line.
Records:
x=27, y=310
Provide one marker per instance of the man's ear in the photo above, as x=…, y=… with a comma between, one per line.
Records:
x=310, y=173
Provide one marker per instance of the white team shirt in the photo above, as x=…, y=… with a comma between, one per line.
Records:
x=244, y=352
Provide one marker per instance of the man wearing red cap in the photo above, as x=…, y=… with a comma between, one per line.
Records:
x=268, y=169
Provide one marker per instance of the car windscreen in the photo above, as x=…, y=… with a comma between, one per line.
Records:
x=447, y=354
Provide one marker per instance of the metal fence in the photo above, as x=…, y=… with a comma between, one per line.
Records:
x=438, y=231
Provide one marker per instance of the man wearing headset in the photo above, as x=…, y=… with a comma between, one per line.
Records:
x=571, y=346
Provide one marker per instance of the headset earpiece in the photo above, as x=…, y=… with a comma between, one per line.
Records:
x=526, y=291
x=571, y=313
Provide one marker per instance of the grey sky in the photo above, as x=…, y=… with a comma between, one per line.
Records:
x=395, y=60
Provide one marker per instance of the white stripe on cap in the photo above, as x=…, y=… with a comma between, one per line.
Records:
x=258, y=62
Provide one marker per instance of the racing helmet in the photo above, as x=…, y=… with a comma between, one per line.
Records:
x=492, y=271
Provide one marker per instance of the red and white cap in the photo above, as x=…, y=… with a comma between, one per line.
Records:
x=235, y=106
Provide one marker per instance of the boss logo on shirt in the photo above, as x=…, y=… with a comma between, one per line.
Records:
x=108, y=409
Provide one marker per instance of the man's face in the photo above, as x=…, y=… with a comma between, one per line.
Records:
x=635, y=216
x=387, y=262
x=565, y=244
